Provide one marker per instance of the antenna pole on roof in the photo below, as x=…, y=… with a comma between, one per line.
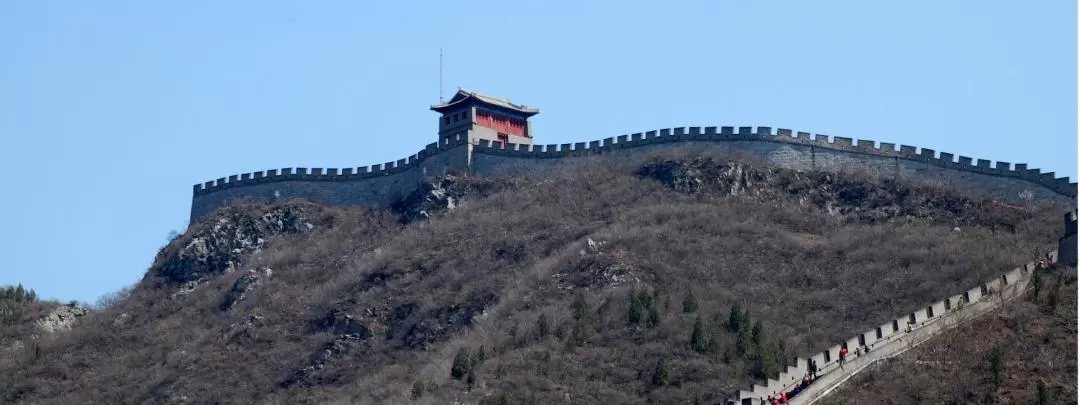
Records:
x=440, y=75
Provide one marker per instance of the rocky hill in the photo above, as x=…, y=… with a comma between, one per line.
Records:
x=675, y=278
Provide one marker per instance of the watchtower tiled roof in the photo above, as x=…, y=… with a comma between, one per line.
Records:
x=463, y=96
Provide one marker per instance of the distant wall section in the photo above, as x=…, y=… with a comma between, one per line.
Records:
x=374, y=186
x=789, y=149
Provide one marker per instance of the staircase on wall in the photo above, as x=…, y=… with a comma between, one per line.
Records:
x=885, y=343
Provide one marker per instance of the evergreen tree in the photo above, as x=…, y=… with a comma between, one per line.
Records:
x=480, y=356
x=462, y=364
x=699, y=339
x=765, y=365
x=543, y=327
x=743, y=343
x=690, y=304
x=643, y=309
x=781, y=353
x=660, y=374
x=417, y=390
x=637, y=312
x=997, y=366
x=580, y=307
x=654, y=316
x=735, y=318
x=757, y=334
x=470, y=379
x=1042, y=393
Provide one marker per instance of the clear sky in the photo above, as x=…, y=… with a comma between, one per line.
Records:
x=110, y=111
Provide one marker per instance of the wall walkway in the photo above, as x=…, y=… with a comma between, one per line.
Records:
x=893, y=338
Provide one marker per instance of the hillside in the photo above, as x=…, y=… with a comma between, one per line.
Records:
x=676, y=278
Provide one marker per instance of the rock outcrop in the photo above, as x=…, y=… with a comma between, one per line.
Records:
x=447, y=194
x=850, y=197
x=230, y=236
x=61, y=318
x=243, y=285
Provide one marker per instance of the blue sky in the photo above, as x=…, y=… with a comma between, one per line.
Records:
x=110, y=111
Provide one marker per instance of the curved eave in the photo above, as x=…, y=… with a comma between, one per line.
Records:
x=447, y=107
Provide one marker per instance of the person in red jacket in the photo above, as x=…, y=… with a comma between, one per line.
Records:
x=783, y=397
x=843, y=354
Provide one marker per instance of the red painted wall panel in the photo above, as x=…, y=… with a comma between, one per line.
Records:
x=500, y=123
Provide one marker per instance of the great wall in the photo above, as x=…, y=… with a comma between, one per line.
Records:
x=903, y=333
x=382, y=185
x=477, y=147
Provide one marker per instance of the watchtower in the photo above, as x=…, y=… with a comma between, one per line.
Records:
x=479, y=116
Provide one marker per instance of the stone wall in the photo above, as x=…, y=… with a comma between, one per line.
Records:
x=377, y=186
x=1003, y=287
x=1067, y=243
x=381, y=185
x=798, y=150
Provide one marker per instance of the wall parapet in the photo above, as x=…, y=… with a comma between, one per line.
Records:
x=612, y=146
x=931, y=157
x=1003, y=287
x=328, y=174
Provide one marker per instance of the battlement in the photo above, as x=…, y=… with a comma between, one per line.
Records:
x=379, y=184
x=945, y=160
x=941, y=314
x=329, y=174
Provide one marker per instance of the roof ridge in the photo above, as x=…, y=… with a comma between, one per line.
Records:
x=483, y=95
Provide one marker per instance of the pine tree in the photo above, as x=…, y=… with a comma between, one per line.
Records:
x=690, y=304
x=470, y=379
x=660, y=374
x=636, y=312
x=580, y=307
x=461, y=365
x=543, y=327
x=757, y=334
x=1042, y=393
x=743, y=343
x=643, y=309
x=417, y=390
x=654, y=316
x=735, y=318
x=765, y=365
x=699, y=339
x=480, y=356
x=781, y=353
x=997, y=366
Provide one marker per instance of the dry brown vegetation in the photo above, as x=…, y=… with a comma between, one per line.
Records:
x=365, y=309
x=1000, y=358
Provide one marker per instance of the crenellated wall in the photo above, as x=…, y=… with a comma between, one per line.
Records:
x=376, y=186
x=895, y=336
x=791, y=149
x=380, y=185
